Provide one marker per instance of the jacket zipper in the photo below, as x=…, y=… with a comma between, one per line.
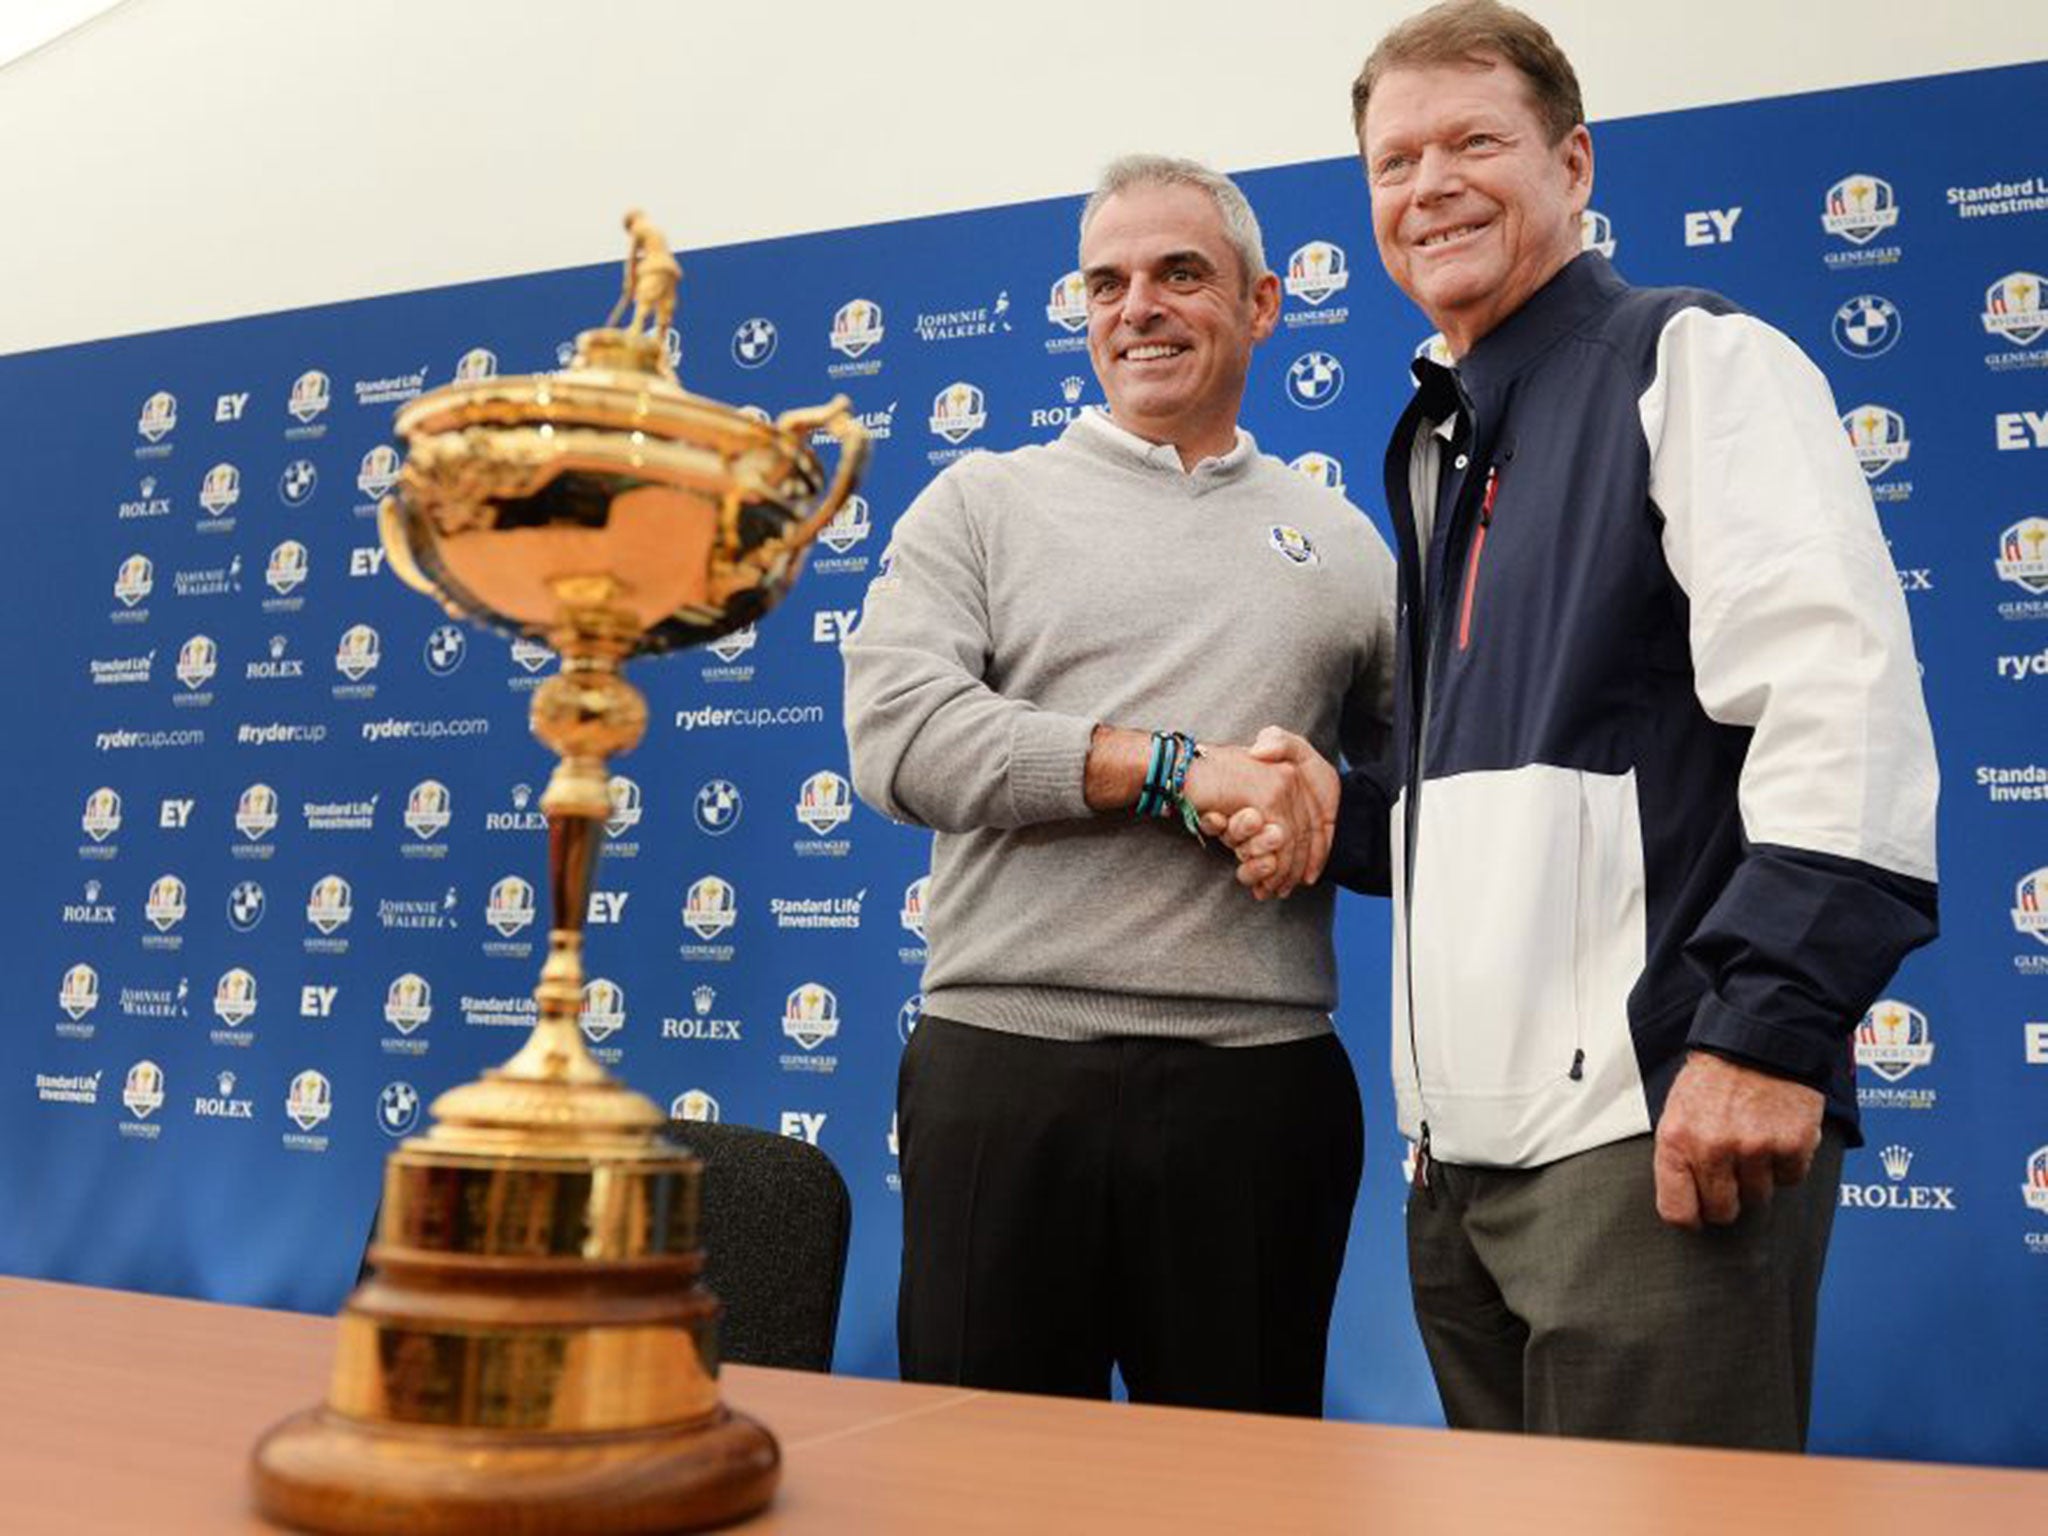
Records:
x=1472, y=565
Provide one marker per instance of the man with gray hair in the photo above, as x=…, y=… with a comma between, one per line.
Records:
x=1130, y=1139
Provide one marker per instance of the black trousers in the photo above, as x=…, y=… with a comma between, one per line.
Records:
x=1178, y=1211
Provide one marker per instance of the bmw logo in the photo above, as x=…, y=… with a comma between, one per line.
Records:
x=245, y=906
x=1867, y=326
x=446, y=647
x=754, y=342
x=717, y=807
x=398, y=1108
x=1314, y=379
x=295, y=485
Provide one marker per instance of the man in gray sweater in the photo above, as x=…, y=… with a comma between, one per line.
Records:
x=1129, y=1136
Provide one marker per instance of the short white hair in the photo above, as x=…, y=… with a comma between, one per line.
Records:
x=1240, y=224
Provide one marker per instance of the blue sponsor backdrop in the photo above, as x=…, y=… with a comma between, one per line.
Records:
x=275, y=840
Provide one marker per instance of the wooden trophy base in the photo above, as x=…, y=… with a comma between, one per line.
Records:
x=319, y=1471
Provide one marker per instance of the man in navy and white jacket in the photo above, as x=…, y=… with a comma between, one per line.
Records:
x=1659, y=821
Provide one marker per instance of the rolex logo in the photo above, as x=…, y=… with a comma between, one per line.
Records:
x=703, y=997
x=1897, y=1160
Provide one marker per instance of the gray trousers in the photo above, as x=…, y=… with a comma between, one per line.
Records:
x=1554, y=1300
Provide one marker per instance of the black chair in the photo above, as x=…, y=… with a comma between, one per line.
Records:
x=776, y=1222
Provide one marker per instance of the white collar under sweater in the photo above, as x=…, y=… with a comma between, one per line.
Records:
x=1096, y=423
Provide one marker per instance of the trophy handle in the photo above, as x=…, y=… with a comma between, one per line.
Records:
x=391, y=534
x=836, y=417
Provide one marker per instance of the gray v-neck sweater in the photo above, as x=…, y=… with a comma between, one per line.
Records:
x=1027, y=596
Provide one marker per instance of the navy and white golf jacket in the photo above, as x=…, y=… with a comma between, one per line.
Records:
x=1662, y=775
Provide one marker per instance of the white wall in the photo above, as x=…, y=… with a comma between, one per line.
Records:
x=188, y=160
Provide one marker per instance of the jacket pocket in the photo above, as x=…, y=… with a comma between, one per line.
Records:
x=1527, y=931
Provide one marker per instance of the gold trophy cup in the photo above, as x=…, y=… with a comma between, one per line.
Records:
x=534, y=1350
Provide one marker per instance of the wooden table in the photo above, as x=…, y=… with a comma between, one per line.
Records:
x=135, y=1414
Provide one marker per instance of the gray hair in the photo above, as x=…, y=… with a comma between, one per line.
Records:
x=1240, y=224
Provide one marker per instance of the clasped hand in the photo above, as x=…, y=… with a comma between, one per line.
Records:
x=1273, y=804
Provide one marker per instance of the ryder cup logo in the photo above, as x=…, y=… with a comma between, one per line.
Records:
x=311, y=394
x=286, y=570
x=134, y=581
x=958, y=412
x=143, y=1090
x=159, y=416
x=80, y=992
x=1292, y=545
x=2030, y=905
x=1877, y=436
x=378, y=471
x=730, y=648
x=329, y=906
x=1893, y=1039
x=624, y=796
x=1434, y=349
x=295, y=485
x=1860, y=208
x=198, y=660
x=256, y=812
x=476, y=363
x=2022, y=555
x=710, y=907
x=2012, y=308
x=165, y=907
x=908, y=1016
x=849, y=526
x=102, y=818
x=604, y=1009
x=696, y=1105
x=1067, y=305
x=221, y=489
x=1316, y=270
x=2036, y=1188
x=1314, y=379
x=856, y=326
x=408, y=1002
x=234, y=997
x=1867, y=326
x=753, y=343
x=426, y=808
x=509, y=908
x=811, y=1016
x=716, y=807
x=1596, y=233
x=824, y=802
x=1321, y=468
x=358, y=654
x=310, y=1100
x=915, y=895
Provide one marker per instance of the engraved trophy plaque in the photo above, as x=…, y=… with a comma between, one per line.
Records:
x=534, y=1349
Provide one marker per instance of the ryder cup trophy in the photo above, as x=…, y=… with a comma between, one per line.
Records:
x=534, y=1350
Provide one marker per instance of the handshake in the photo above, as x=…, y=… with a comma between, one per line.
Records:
x=1273, y=804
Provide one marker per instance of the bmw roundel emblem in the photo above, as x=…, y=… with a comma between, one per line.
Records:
x=245, y=906
x=1314, y=379
x=754, y=342
x=445, y=648
x=295, y=485
x=398, y=1108
x=717, y=807
x=1867, y=326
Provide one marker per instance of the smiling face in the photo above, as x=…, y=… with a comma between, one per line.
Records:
x=1473, y=207
x=1171, y=318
